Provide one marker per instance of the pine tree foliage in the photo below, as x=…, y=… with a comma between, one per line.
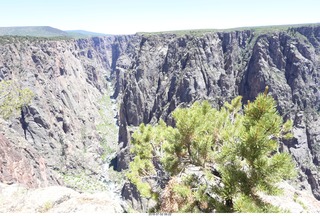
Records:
x=12, y=98
x=235, y=151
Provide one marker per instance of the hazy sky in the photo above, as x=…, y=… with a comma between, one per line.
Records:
x=131, y=16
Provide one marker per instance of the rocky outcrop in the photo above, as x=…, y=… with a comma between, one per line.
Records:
x=165, y=71
x=56, y=199
x=23, y=165
x=293, y=200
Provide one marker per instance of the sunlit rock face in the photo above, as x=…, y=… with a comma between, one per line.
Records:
x=57, y=132
x=148, y=76
x=156, y=73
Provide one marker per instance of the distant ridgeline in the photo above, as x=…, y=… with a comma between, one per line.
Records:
x=46, y=31
x=63, y=132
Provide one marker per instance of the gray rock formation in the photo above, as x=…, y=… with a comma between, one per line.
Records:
x=149, y=76
x=58, y=130
x=55, y=199
x=166, y=71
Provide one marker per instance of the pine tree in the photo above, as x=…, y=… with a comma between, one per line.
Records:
x=235, y=150
x=251, y=162
x=13, y=98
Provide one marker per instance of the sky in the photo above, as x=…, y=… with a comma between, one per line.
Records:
x=131, y=16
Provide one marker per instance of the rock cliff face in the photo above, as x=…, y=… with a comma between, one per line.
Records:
x=150, y=76
x=57, y=133
x=157, y=73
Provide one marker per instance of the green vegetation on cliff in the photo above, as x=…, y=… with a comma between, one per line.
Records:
x=213, y=160
x=12, y=98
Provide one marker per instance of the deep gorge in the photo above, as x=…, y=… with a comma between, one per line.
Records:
x=148, y=76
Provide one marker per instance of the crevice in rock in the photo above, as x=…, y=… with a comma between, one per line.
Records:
x=30, y=154
x=309, y=140
x=114, y=163
x=313, y=183
x=184, y=62
x=206, y=82
x=24, y=123
x=115, y=56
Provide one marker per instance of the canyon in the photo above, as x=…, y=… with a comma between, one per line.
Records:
x=92, y=93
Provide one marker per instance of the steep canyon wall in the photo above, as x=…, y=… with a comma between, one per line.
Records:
x=154, y=74
x=149, y=76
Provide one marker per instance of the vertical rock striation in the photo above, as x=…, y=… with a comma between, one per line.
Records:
x=150, y=75
x=157, y=73
x=58, y=130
